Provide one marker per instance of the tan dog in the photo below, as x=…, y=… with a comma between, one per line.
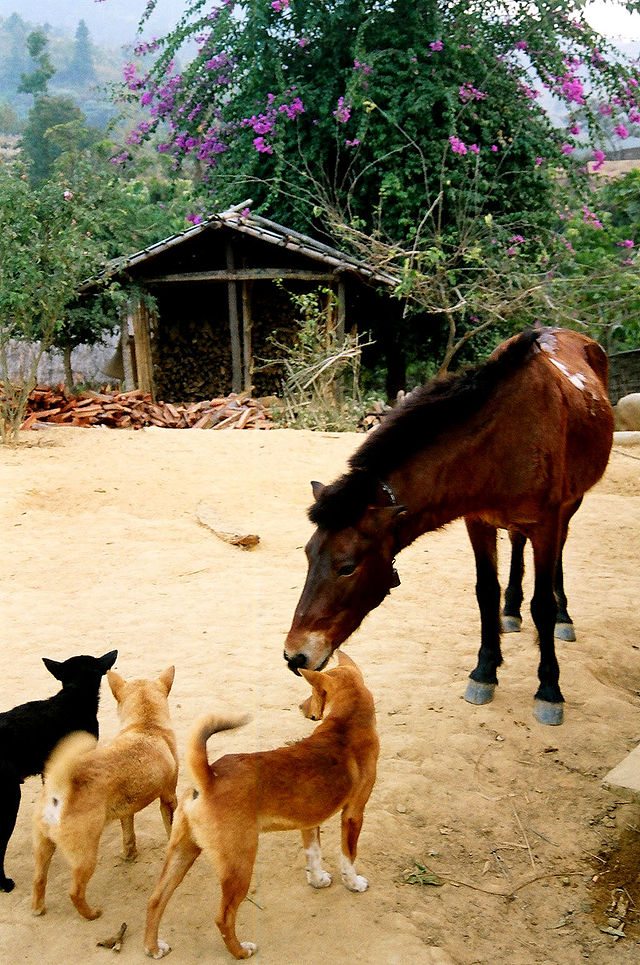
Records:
x=294, y=787
x=85, y=785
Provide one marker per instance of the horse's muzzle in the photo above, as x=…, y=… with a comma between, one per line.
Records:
x=296, y=662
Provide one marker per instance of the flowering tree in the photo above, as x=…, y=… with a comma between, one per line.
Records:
x=418, y=130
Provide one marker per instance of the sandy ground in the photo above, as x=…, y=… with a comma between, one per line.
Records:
x=102, y=549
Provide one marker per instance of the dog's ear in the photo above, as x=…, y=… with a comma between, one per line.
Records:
x=316, y=488
x=315, y=678
x=54, y=667
x=107, y=661
x=166, y=678
x=116, y=682
x=345, y=661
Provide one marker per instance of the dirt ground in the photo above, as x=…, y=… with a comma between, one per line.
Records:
x=102, y=549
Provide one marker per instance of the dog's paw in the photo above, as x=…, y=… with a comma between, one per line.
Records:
x=355, y=882
x=163, y=949
x=36, y=912
x=7, y=884
x=320, y=879
x=250, y=948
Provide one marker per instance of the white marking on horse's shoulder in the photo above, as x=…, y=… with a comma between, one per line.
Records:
x=548, y=342
x=576, y=378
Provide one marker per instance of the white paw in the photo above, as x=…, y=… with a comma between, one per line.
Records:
x=249, y=947
x=163, y=949
x=321, y=879
x=355, y=882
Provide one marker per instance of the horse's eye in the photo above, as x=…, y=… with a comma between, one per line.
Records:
x=347, y=569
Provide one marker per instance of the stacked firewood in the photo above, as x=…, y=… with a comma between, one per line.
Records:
x=135, y=410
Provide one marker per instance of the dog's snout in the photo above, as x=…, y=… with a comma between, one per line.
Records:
x=296, y=662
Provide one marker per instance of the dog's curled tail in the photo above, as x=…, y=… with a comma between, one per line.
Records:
x=58, y=769
x=197, y=746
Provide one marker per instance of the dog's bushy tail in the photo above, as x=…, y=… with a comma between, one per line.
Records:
x=197, y=759
x=59, y=767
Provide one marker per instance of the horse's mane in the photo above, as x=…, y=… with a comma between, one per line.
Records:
x=413, y=425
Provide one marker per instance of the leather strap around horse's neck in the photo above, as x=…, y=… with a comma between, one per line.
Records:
x=386, y=488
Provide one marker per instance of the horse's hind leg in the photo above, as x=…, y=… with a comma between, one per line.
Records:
x=564, y=624
x=511, y=613
x=483, y=679
x=548, y=698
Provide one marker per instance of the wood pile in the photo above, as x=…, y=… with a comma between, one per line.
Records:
x=135, y=410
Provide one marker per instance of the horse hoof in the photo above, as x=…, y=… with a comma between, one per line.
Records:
x=511, y=624
x=546, y=712
x=565, y=631
x=479, y=693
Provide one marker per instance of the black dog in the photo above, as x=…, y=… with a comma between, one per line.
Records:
x=29, y=732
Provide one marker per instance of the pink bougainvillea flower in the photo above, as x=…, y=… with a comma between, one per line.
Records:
x=342, y=112
x=261, y=146
x=474, y=148
x=621, y=131
x=457, y=146
x=627, y=243
x=567, y=148
x=574, y=129
x=494, y=148
x=539, y=161
x=436, y=45
x=599, y=158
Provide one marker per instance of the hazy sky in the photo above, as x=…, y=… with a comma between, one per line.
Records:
x=115, y=21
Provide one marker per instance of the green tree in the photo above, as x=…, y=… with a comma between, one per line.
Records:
x=55, y=126
x=44, y=255
x=35, y=82
x=81, y=71
x=412, y=130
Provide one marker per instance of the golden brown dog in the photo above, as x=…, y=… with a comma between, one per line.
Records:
x=295, y=787
x=85, y=785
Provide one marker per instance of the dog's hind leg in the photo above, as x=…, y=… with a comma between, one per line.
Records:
x=129, y=849
x=167, y=810
x=44, y=849
x=181, y=854
x=317, y=877
x=235, y=860
x=9, y=804
x=82, y=855
x=351, y=826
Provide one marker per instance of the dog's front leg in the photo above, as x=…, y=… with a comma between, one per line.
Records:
x=129, y=849
x=351, y=826
x=317, y=877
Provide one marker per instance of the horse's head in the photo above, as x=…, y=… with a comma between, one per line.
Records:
x=350, y=571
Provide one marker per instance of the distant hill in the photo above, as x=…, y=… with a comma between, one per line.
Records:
x=112, y=23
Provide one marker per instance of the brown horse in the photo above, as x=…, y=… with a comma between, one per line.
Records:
x=512, y=444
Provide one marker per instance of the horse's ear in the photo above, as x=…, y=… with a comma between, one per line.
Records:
x=384, y=518
x=316, y=488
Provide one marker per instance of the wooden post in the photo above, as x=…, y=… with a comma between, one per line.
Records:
x=128, y=363
x=247, y=325
x=142, y=339
x=340, y=332
x=236, y=360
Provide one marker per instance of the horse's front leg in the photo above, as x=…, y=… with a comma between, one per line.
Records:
x=483, y=679
x=546, y=546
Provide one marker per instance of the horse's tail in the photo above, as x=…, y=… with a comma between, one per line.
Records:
x=197, y=759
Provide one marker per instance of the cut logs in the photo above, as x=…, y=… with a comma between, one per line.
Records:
x=135, y=410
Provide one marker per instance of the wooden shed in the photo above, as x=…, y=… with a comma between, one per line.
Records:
x=222, y=304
